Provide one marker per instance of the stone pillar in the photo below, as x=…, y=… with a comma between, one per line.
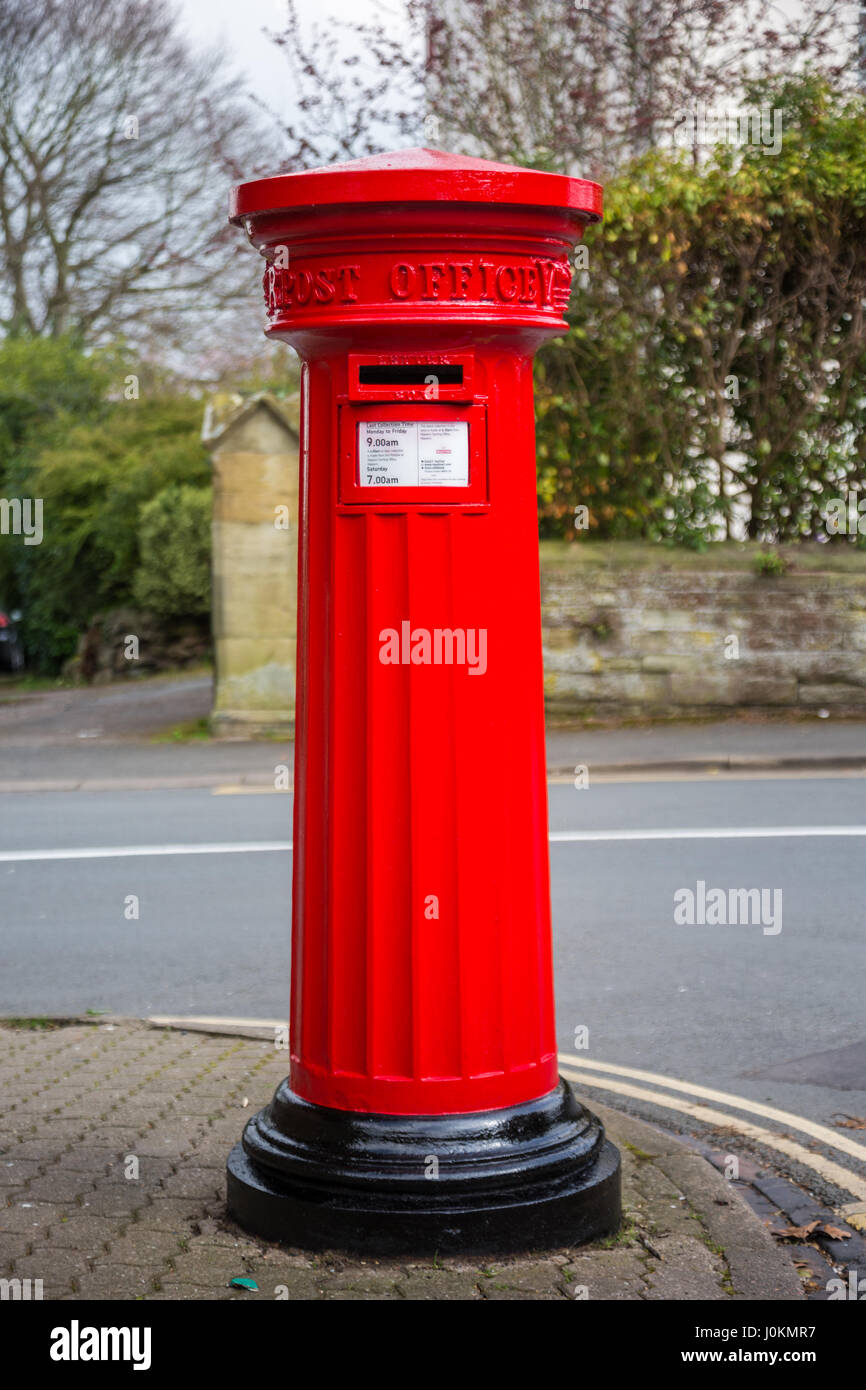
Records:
x=254, y=451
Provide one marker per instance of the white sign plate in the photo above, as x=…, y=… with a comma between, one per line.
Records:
x=413, y=453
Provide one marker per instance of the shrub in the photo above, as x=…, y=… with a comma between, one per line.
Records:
x=770, y=564
x=173, y=576
x=712, y=377
x=94, y=477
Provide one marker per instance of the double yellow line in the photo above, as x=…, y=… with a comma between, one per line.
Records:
x=620, y=1081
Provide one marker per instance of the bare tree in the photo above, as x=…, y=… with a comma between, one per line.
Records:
x=571, y=85
x=356, y=85
x=117, y=147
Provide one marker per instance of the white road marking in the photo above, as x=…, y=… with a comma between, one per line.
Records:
x=830, y=1137
x=757, y=832
x=15, y=856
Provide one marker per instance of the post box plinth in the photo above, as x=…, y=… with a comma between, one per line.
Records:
x=423, y=1107
x=537, y=1175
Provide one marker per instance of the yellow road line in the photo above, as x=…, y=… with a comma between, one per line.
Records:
x=711, y=774
x=832, y=1172
x=768, y=1112
x=238, y=789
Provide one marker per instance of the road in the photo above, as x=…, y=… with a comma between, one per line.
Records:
x=775, y=1016
x=122, y=709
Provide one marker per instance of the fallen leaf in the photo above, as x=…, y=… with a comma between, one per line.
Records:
x=836, y=1233
x=850, y=1121
x=794, y=1232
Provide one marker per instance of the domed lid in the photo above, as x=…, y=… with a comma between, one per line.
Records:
x=417, y=176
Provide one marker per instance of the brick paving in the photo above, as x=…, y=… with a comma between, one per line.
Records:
x=113, y=1141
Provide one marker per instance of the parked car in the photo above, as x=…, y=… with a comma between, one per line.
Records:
x=11, y=650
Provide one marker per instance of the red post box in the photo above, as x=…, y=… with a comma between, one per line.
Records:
x=423, y=1107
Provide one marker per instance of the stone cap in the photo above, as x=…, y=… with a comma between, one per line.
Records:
x=228, y=409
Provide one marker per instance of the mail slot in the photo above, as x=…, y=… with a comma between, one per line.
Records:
x=423, y=1107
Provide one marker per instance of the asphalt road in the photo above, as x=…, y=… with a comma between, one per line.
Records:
x=122, y=709
x=775, y=1016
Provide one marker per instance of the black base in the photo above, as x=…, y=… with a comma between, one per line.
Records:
x=533, y=1176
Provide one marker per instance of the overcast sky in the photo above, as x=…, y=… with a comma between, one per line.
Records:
x=240, y=25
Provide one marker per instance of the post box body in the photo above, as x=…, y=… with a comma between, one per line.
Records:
x=416, y=289
x=421, y=971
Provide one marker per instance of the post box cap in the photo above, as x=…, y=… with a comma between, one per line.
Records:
x=418, y=176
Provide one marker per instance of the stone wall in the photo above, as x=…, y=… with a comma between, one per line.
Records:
x=655, y=639
x=104, y=653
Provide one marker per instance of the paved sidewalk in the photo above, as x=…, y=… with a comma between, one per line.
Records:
x=113, y=1140
x=736, y=745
